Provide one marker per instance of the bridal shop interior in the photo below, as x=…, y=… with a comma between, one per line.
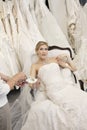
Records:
x=23, y=23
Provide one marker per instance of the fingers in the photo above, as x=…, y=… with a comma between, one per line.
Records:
x=20, y=78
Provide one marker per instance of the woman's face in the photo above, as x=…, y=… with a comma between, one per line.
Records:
x=42, y=52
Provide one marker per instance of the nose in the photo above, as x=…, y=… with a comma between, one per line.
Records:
x=44, y=50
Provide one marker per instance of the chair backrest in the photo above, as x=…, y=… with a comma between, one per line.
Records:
x=56, y=50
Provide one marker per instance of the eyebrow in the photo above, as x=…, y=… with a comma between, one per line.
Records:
x=44, y=48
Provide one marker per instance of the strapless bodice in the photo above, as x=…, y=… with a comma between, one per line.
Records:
x=54, y=78
x=50, y=75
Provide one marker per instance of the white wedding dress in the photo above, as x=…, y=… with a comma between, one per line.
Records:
x=58, y=105
x=69, y=12
x=24, y=44
x=30, y=24
x=58, y=9
x=26, y=37
x=85, y=8
x=48, y=26
x=9, y=64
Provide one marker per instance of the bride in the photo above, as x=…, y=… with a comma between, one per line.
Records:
x=57, y=106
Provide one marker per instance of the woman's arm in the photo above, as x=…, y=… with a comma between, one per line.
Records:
x=33, y=70
x=32, y=75
x=65, y=62
x=71, y=64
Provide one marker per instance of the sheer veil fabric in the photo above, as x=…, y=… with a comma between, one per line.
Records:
x=20, y=108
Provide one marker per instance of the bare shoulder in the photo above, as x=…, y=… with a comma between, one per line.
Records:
x=52, y=59
x=33, y=66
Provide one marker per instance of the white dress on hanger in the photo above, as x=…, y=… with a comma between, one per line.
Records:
x=25, y=46
x=8, y=27
x=12, y=22
x=85, y=8
x=8, y=60
x=70, y=12
x=48, y=26
x=81, y=61
x=30, y=24
x=81, y=42
x=58, y=9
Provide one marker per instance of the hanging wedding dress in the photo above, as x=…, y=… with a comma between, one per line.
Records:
x=12, y=23
x=85, y=8
x=31, y=8
x=48, y=26
x=58, y=105
x=81, y=43
x=78, y=17
x=58, y=9
x=81, y=62
x=3, y=66
x=7, y=23
x=8, y=61
x=70, y=13
x=25, y=46
x=32, y=28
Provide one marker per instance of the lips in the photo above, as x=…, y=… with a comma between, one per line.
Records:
x=43, y=54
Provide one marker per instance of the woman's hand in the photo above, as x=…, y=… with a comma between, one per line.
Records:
x=35, y=85
x=63, y=57
x=66, y=63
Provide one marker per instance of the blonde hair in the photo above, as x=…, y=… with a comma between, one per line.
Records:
x=40, y=43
